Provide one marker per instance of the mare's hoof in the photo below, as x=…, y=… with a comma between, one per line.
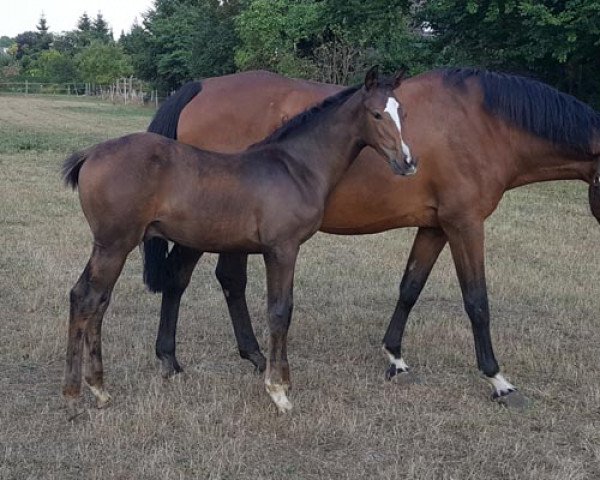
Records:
x=169, y=367
x=403, y=377
x=257, y=359
x=513, y=399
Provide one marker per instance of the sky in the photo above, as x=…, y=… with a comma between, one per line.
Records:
x=62, y=15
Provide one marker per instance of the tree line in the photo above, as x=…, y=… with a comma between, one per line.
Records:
x=556, y=41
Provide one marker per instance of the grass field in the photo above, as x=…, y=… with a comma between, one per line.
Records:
x=215, y=421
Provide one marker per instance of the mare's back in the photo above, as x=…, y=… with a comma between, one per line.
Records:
x=232, y=112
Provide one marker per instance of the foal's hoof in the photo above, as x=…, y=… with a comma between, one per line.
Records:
x=403, y=377
x=103, y=401
x=257, y=359
x=75, y=408
x=513, y=399
x=169, y=367
x=278, y=394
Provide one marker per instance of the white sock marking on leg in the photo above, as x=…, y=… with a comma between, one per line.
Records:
x=279, y=396
x=501, y=386
x=399, y=363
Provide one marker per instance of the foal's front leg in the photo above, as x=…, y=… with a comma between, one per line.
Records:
x=280, y=263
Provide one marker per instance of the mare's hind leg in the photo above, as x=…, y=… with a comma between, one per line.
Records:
x=426, y=248
x=280, y=265
x=231, y=272
x=180, y=266
x=89, y=299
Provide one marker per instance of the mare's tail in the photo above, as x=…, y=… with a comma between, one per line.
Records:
x=71, y=167
x=165, y=123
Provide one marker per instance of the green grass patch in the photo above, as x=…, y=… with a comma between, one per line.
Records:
x=16, y=140
x=112, y=110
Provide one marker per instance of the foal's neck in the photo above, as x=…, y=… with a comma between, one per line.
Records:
x=327, y=146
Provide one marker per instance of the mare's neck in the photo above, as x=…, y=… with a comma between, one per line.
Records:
x=544, y=161
x=326, y=147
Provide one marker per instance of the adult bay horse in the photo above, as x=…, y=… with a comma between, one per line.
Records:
x=269, y=199
x=476, y=134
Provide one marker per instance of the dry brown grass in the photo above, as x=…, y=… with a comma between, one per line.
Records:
x=216, y=422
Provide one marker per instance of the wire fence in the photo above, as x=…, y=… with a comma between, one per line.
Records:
x=124, y=90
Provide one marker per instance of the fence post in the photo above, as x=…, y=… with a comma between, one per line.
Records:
x=26, y=87
x=156, y=98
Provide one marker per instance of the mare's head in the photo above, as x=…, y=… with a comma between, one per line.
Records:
x=382, y=128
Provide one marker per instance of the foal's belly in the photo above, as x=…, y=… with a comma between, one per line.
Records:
x=209, y=231
x=251, y=218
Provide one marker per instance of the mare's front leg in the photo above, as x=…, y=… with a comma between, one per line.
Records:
x=280, y=263
x=467, y=246
x=179, y=268
x=231, y=272
x=426, y=248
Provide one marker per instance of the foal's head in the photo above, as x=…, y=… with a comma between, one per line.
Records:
x=382, y=129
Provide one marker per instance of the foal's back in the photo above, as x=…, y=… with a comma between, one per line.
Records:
x=168, y=189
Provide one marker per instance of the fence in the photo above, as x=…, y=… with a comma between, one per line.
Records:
x=124, y=90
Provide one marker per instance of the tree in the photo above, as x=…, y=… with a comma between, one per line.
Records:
x=84, y=24
x=44, y=37
x=100, y=29
x=26, y=43
x=275, y=33
x=328, y=40
x=139, y=47
x=5, y=41
x=556, y=41
x=179, y=41
x=102, y=63
x=42, y=26
x=54, y=66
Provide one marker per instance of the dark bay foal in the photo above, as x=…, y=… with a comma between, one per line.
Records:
x=269, y=200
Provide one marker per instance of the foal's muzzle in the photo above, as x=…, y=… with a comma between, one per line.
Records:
x=406, y=166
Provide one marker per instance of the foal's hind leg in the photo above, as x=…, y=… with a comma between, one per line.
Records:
x=231, y=272
x=93, y=369
x=426, y=248
x=180, y=266
x=89, y=299
x=280, y=265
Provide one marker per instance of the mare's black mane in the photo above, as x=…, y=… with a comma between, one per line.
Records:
x=533, y=106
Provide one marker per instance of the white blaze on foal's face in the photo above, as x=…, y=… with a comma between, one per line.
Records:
x=391, y=108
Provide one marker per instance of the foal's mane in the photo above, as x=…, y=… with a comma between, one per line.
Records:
x=309, y=115
x=533, y=106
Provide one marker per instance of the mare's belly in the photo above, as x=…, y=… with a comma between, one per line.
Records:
x=370, y=198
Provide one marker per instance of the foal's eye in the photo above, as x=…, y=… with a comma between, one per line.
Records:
x=377, y=115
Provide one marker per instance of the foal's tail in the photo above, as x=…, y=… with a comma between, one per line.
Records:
x=165, y=123
x=71, y=167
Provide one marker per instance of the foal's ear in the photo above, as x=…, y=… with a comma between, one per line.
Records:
x=371, y=78
x=399, y=77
